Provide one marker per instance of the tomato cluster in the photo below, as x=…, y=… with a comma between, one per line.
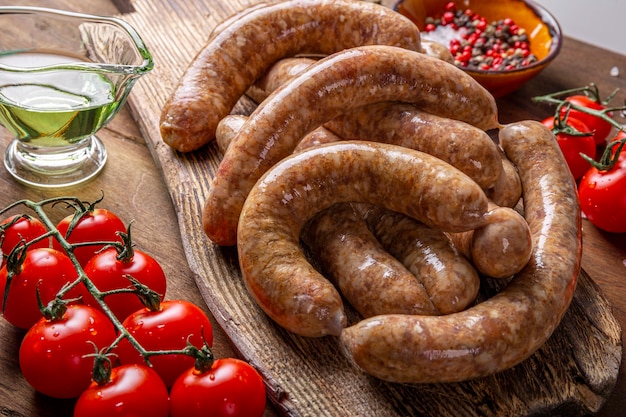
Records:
x=584, y=126
x=99, y=328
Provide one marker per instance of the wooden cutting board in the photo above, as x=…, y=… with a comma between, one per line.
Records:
x=571, y=375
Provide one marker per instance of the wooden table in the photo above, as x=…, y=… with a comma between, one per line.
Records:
x=134, y=187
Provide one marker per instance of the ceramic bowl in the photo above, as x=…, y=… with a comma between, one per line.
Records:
x=543, y=31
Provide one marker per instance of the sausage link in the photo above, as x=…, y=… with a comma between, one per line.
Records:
x=331, y=86
x=500, y=248
x=466, y=147
x=507, y=328
x=316, y=137
x=450, y=280
x=273, y=265
x=437, y=50
x=285, y=69
x=278, y=74
x=227, y=129
x=373, y=281
x=508, y=189
x=235, y=57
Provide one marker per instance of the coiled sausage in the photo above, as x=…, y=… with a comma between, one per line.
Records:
x=504, y=330
x=237, y=55
x=273, y=265
x=330, y=87
x=371, y=280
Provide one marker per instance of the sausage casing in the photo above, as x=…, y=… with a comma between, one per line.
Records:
x=371, y=280
x=468, y=148
x=448, y=278
x=507, y=328
x=330, y=87
x=273, y=265
x=238, y=54
x=500, y=248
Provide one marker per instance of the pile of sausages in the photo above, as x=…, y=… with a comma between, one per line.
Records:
x=366, y=173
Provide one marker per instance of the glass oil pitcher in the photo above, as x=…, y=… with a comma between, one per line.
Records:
x=63, y=76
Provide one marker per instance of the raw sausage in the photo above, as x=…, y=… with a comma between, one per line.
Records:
x=437, y=50
x=371, y=280
x=508, y=190
x=273, y=265
x=236, y=56
x=466, y=147
x=506, y=329
x=334, y=85
x=499, y=249
x=448, y=277
x=228, y=127
x=287, y=68
x=317, y=137
x=278, y=74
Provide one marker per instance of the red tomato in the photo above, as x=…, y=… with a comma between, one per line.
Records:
x=17, y=228
x=108, y=273
x=133, y=390
x=602, y=196
x=572, y=146
x=231, y=388
x=600, y=128
x=169, y=328
x=52, y=353
x=43, y=268
x=97, y=225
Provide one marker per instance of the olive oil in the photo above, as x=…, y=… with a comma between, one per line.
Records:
x=58, y=108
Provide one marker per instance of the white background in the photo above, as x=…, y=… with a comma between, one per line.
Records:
x=598, y=22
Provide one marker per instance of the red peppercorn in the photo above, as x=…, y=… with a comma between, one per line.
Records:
x=448, y=17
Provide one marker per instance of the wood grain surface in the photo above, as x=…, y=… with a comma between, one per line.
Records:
x=573, y=374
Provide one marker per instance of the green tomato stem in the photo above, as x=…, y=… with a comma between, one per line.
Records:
x=57, y=306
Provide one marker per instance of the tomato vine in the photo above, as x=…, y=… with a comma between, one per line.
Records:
x=194, y=328
x=602, y=112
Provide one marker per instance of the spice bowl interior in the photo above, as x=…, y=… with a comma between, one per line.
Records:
x=541, y=28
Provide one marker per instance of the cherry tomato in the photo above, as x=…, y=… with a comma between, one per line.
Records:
x=600, y=128
x=52, y=353
x=169, y=328
x=17, y=228
x=108, y=273
x=45, y=269
x=602, y=196
x=572, y=146
x=133, y=390
x=96, y=225
x=231, y=388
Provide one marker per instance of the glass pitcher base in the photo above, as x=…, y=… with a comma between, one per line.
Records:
x=55, y=170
